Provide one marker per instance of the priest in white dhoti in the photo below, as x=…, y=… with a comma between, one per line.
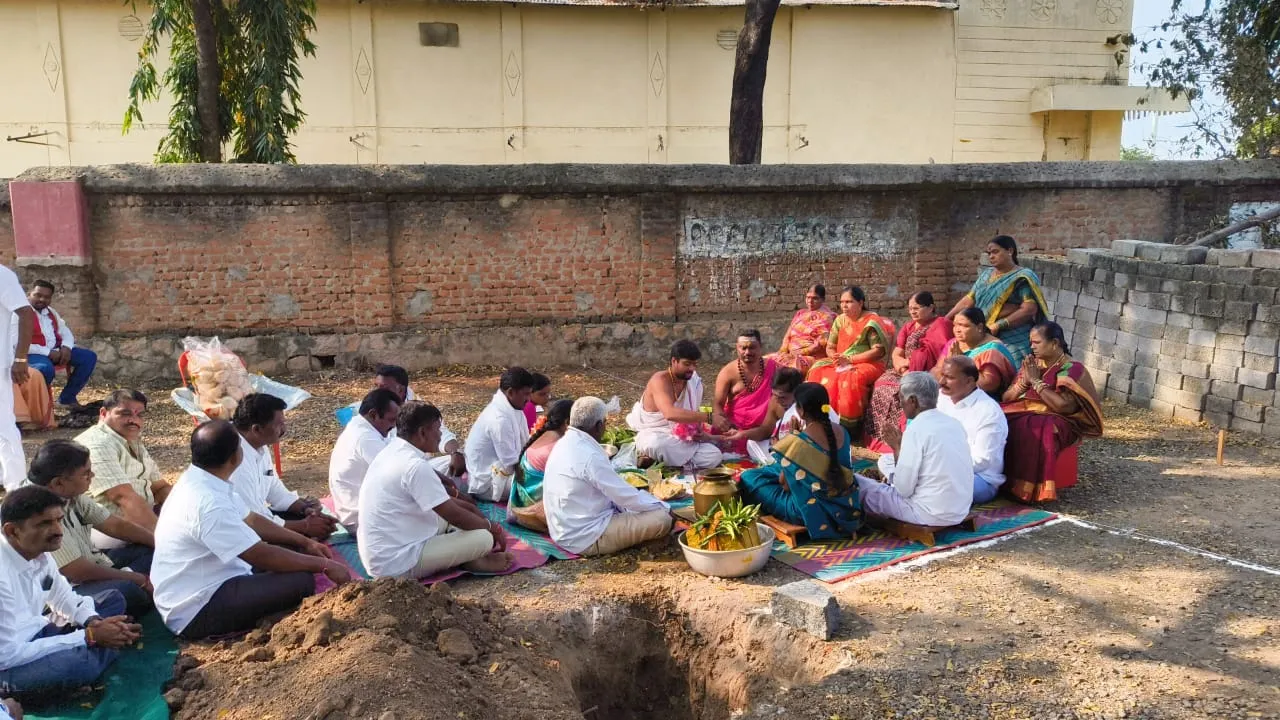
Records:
x=668, y=418
x=498, y=436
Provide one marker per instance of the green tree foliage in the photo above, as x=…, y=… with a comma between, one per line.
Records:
x=1136, y=154
x=1230, y=48
x=250, y=50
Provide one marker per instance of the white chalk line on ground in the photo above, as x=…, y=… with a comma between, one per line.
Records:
x=1128, y=534
x=1135, y=535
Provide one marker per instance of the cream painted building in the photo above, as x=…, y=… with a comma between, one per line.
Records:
x=406, y=81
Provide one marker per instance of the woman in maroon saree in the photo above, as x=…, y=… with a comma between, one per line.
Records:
x=1052, y=405
x=919, y=346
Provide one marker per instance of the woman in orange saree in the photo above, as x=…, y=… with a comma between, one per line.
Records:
x=1052, y=405
x=32, y=404
x=857, y=349
x=806, y=338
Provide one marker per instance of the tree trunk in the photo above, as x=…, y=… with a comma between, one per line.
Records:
x=746, y=109
x=208, y=79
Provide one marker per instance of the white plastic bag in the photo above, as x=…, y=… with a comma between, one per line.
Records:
x=626, y=457
x=613, y=407
x=218, y=375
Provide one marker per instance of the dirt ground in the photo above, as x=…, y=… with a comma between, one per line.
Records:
x=1113, y=619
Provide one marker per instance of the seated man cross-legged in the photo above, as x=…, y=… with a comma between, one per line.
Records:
x=220, y=568
x=668, y=420
x=81, y=637
x=259, y=419
x=590, y=509
x=360, y=442
x=985, y=426
x=125, y=480
x=932, y=483
x=451, y=461
x=63, y=467
x=412, y=523
x=497, y=437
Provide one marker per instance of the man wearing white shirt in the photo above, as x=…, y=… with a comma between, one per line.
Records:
x=360, y=442
x=259, y=418
x=81, y=637
x=590, y=509
x=451, y=461
x=984, y=423
x=411, y=522
x=932, y=484
x=16, y=321
x=10, y=709
x=218, y=567
x=498, y=436
x=52, y=344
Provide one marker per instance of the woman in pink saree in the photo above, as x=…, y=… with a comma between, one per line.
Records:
x=806, y=338
x=919, y=346
x=1052, y=406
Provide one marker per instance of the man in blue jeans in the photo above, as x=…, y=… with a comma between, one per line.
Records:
x=52, y=344
x=82, y=636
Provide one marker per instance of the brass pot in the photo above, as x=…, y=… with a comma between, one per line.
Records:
x=714, y=486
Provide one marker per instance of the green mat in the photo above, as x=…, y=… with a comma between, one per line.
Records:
x=134, y=682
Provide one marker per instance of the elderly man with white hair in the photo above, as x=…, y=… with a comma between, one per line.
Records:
x=590, y=509
x=932, y=484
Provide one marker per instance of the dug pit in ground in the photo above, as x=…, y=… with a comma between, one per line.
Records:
x=394, y=649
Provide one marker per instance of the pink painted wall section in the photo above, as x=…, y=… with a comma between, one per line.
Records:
x=50, y=223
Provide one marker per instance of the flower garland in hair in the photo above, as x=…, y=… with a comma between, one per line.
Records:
x=539, y=425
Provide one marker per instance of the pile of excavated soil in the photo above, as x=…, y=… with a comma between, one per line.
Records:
x=383, y=650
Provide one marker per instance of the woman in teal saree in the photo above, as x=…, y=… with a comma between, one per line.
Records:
x=811, y=481
x=1009, y=295
x=524, y=504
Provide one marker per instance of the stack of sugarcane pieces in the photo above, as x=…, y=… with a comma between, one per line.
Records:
x=730, y=526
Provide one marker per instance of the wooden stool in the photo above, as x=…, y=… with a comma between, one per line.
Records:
x=790, y=535
x=924, y=534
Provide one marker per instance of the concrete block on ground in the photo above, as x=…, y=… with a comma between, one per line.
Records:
x=1142, y=313
x=1223, y=373
x=1195, y=368
x=1229, y=342
x=1218, y=420
x=1161, y=408
x=1238, y=328
x=1227, y=258
x=1183, y=254
x=1269, y=314
x=1088, y=301
x=1179, y=319
x=1230, y=391
x=1187, y=414
x=1169, y=362
x=1265, y=259
x=1215, y=404
x=1106, y=335
x=1203, y=338
x=1118, y=384
x=1118, y=397
x=1143, y=391
x=1126, y=339
x=1260, y=345
x=1084, y=256
x=1261, y=294
x=1147, y=357
x=807, y=606
x=1148, y=283
x=1110, y=307
x=1210, y=307
x=1248, y=411
x=1145, y=374
x=1198, y=353
x=1271, y=429
x=1150, y=251
x=1238, y=277
x=1243, y=425
x=1175, y=334
x=1258, y=397
x=1260, y=328
x=1224, y=356
x=1239, y=311
x=1126, y=355
x=1261, y=363
x=1192, y=384
x=1126, y=248
x=1256, y=379
x=1182, y=303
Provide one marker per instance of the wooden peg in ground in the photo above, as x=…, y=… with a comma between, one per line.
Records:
x=1222, y=444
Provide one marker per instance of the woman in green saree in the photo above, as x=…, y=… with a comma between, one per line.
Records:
x=810, y=482
x=1009, y=295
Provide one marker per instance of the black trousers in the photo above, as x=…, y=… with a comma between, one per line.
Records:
x=241, y=602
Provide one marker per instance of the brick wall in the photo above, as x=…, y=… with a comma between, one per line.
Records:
x=1188, y=333
x=557, y=261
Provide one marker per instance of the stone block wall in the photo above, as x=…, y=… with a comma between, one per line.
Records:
x=431, y=265
x=1186, y=332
